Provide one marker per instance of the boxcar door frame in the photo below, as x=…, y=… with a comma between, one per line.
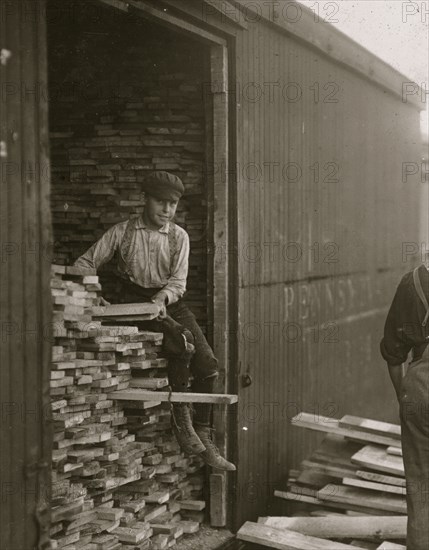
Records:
x=220, y=220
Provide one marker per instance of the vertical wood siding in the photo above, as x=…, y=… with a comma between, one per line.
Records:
x=25, y=267
x=320, y=255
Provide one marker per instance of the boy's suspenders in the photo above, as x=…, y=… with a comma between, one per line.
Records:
x=172, y=242
x=419, y=290
x=125, y=257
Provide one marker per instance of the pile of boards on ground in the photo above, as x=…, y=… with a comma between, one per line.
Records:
x=349, y=493
x=119, y=480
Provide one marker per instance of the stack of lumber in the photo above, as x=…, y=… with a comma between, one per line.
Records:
x=118, y=479
x=358, y=467
x=350, y=492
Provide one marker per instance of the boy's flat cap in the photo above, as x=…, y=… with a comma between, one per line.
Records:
x=163, y=185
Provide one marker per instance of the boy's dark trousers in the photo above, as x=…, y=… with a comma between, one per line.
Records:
x=414, y=409
x=203, y=365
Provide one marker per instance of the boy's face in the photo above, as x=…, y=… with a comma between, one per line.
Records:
x=159, y=211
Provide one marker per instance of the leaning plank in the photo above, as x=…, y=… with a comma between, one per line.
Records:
x=285, y=539
x=390, y=546
x=348, y=507
x=343, y=527
x=381, y=478
x=374, y=486
x=327, y=469
x=331, y=425
x=370, y=426
x=363, y=498
x=376, y=458
x=174, y=397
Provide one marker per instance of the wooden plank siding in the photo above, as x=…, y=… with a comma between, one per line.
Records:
x=25, y=268
x=319, y=256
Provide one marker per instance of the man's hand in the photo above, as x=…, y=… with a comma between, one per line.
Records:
x=104, y=302
x=395, y=372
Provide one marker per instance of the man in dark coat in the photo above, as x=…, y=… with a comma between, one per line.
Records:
x=407, y=329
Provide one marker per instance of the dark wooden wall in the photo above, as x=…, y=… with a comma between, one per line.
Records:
x=24, y=277
x=322, y=217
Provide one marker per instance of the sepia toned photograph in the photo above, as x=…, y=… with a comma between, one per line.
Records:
x=214, y=274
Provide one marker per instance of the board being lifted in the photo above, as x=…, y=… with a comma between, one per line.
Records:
x=127, y=312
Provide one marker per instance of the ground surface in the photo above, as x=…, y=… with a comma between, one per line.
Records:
x=207, y=538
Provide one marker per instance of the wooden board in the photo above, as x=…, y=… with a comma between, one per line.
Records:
x=327, y=469
x=125, y=310
x=363, y=498
x=348, y=507
x=197, y=505
x=370, y=426
x=174, y=397
x=381, y=478
x=218, y=499
x=331, y=425
x=126, y=318
x=339, y=527
x=148, y=383
x=377, y=458
x=374, y=486
x=284, y=539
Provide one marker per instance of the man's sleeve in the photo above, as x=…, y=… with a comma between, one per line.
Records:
x=100, y=252
x=176, y=286
x=395, y=345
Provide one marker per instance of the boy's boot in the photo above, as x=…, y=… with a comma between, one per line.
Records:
x=211, y=455
x=181, y=420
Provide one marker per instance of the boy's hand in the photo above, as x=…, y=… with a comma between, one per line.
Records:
x=159, y=300
x=104, y=302
x=162, y=310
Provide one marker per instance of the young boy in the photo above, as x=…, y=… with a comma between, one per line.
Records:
x=152, y=266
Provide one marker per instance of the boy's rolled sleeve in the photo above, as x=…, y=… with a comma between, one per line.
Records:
x=100, y=252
